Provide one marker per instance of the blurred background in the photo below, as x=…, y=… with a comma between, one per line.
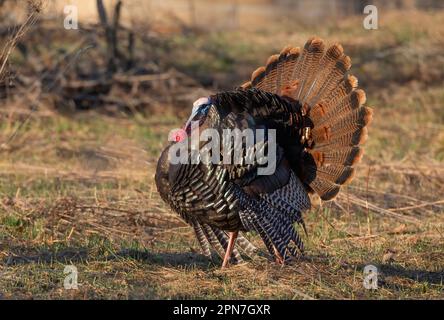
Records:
x=85, y=113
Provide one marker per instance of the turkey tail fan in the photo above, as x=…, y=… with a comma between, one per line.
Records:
x=335, y=118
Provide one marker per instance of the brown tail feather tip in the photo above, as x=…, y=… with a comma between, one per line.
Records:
x=330, y=194
x=295, y=51
x=359, y=97
x=335, y=51
x=316, y=45
x=369, y=115
x=328, y=190
x=354, y=157
x=355, y=138
x=344, y=63
x=325, y=189
x=257, y=75
x=363, y=135
x=308, y=43
x=246, y=85
x=352, y=82
x=335, y=173
x=286, y=50
x=346, y=177
x=313, y=41
x=271, y=60
x=366, y=116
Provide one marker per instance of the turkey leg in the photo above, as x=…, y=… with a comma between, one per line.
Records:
x=278, y=258
x=230, y=247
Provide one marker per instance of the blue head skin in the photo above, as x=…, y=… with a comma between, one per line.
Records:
x=199, y=113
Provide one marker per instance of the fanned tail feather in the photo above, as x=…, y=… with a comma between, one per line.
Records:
x=333, y=106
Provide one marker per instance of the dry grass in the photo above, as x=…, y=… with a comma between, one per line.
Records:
x=79, y=190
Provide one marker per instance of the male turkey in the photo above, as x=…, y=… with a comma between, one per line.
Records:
x=317, y=111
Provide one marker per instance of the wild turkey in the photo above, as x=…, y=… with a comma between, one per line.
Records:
x=307, y=96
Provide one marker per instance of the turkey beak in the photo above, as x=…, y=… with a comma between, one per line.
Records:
x=187, y=126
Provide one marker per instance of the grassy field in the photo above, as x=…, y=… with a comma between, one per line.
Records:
x=78, y=188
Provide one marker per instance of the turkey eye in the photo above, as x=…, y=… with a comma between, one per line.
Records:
x=204, y=109
x=201, y=111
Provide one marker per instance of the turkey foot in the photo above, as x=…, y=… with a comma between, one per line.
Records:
x=230, y=247
x=278, y=258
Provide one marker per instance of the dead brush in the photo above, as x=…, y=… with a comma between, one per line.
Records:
x=35, y=7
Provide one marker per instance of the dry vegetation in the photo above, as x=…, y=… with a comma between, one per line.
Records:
x=76, y=187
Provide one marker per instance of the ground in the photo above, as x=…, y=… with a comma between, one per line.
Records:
x=78, y=189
